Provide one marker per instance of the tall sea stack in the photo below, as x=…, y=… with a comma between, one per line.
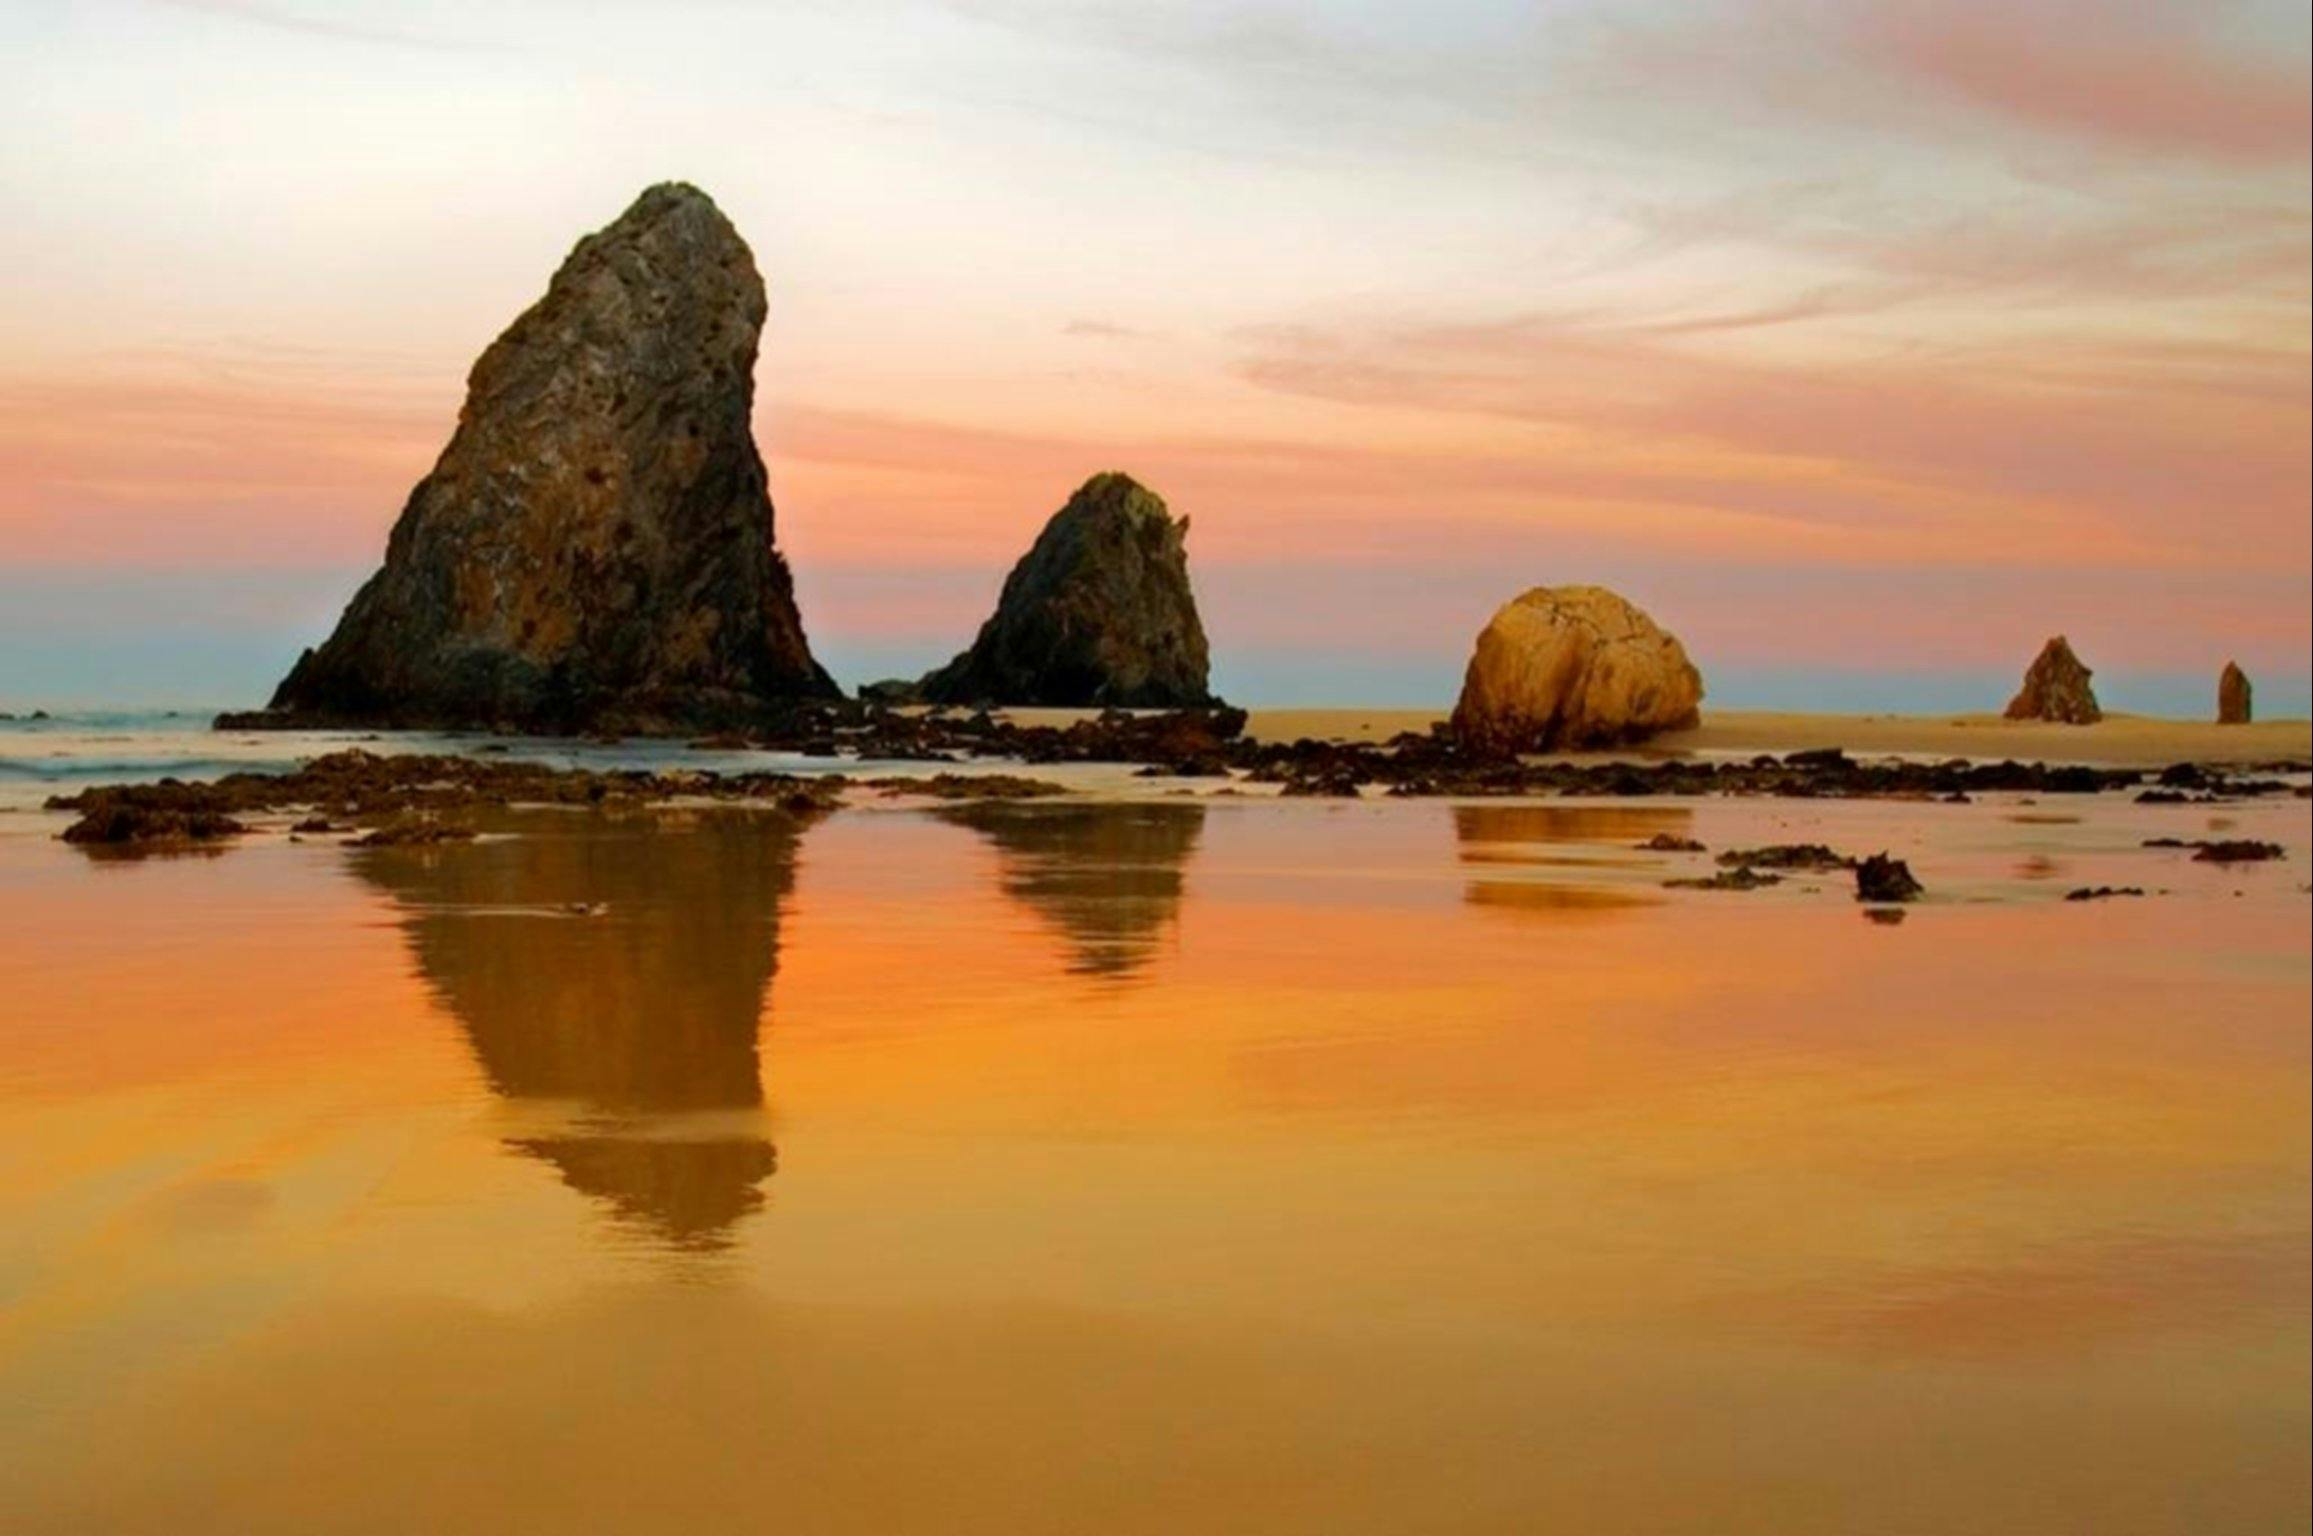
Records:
x=594, y=547
x=1098, y=612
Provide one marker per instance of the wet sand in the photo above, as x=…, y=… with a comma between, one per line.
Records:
x=2119, y=740
x=1244, y=1166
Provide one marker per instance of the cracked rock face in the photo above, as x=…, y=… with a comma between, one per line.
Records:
x=2236, y=701
x=1097, y=613
x=594, y=547
x=1560, y=668
x=2056, y=688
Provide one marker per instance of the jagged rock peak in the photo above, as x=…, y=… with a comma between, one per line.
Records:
x=2056, y=688
x=594, y=547
x=1098, y=612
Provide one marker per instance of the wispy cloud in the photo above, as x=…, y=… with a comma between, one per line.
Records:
x=1103, y=330
x=2222, y=84
x=2124, y=76
x=332, y=26
x=2006, y=458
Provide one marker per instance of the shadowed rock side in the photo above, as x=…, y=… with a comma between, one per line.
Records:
x=617, y=968
x=1569, y=667
x=594, y=547
x=2056, y=688
x=1097, y=613
x=2236, y=700
x=1107, y=877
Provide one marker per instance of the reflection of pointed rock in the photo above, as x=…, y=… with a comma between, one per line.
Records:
x=1107, y=876
x=645, y=1012
x=689, y=1192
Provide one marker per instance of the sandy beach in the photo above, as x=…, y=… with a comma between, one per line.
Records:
x=2120, y=740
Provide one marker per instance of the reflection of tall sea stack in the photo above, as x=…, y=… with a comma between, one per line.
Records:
x=2236, y=700
x=594, y=547
x=2056, y=688
x=1098, y=612
x=1570, y=667
x=640, y=1023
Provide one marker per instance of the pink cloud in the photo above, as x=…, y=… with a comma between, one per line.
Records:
x=2097, y=72
x=2025, y=455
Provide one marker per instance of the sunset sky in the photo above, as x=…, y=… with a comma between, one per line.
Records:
x=1864, y=344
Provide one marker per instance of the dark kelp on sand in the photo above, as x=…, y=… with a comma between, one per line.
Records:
x=371, y=789
x=399, y=798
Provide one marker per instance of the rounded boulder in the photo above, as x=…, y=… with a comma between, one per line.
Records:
x=1562, y=668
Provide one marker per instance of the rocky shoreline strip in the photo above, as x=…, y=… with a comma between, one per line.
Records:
x=1209, y=744
x=1212, y=743
x=389, y=798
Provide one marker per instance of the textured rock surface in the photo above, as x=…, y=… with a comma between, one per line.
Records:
x=594, y=547
x=1883, y=878
x=2056, y=688
x=2236, y=700
x=1098, y=612
x=1566, y=667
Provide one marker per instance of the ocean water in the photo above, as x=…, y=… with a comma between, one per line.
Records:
x=71, y=750
x=1191, y=1164
x=121, y=745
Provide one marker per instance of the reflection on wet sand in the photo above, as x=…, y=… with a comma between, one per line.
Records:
x=621, y=967
x=1532, y=837
x=1108, y=877
x=1489, y=826
x=1359, y=1207
x=1540, y=896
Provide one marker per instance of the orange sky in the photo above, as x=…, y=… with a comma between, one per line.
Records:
x=1881, y=338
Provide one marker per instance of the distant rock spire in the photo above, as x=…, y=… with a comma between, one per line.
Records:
x=2056, y=688
x=2236, y=700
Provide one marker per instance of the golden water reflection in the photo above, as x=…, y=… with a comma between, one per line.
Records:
x=1483, y=826
x=1563, y=860
x=365, y=1191
x=1107, y=878
x=619, y=970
